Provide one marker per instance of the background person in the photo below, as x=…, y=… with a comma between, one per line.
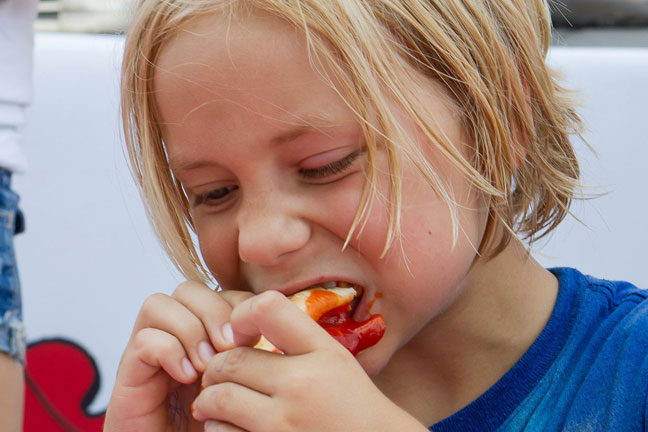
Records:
x=16, y=56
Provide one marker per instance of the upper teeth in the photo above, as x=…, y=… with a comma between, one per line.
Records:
x=332, y=284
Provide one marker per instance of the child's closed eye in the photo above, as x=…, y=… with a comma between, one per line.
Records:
x=331, y=169
x=214, y=196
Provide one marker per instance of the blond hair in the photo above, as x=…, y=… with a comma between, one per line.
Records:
x=488, y=54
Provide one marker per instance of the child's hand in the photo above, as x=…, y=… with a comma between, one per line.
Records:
x=172, y=341
x=316, y=385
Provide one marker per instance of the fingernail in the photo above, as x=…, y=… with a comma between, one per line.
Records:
x=228, y=333
x=211, y=426
x=205, y=351
x=188, y=367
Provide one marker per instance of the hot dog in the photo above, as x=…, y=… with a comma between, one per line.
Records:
x=331, y=309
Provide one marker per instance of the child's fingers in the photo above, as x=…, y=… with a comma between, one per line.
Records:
x=234, y=404
x=234, y=298
x=139, y=400
x=165, y=313
x=213, y=309
x=252, y=368
x=152, y=349
x=274, y=316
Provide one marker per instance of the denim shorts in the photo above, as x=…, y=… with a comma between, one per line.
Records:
x=12, y=334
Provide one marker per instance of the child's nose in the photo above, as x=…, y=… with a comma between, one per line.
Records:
x=270, y=231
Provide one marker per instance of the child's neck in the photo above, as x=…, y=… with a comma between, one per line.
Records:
x=503, y=306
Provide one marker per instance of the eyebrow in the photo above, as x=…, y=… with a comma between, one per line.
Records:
x=189, y=166
x=307, y=124
x=296, y=133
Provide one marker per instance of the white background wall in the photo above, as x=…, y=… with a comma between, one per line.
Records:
x=612, y=86
x=88, y=258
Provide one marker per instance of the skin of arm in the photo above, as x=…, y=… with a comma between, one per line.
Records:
x=12, y=394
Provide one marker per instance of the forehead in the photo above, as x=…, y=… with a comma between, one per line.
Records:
x=218, y=76
x=232, y=43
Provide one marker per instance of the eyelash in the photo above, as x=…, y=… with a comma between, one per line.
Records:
x=331, y=168
x=216, y=194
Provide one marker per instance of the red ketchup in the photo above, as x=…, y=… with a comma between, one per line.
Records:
x=355, y=336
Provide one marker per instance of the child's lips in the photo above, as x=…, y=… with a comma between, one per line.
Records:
x=359, y=308
x=362, y=309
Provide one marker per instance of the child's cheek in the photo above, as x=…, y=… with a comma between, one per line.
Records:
x=218, y=248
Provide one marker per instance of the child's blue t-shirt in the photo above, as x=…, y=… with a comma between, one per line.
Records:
x=587, y=371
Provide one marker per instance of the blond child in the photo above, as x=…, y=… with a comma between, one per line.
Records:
x=406, y=147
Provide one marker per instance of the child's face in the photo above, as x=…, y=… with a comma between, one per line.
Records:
x=272, y=161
